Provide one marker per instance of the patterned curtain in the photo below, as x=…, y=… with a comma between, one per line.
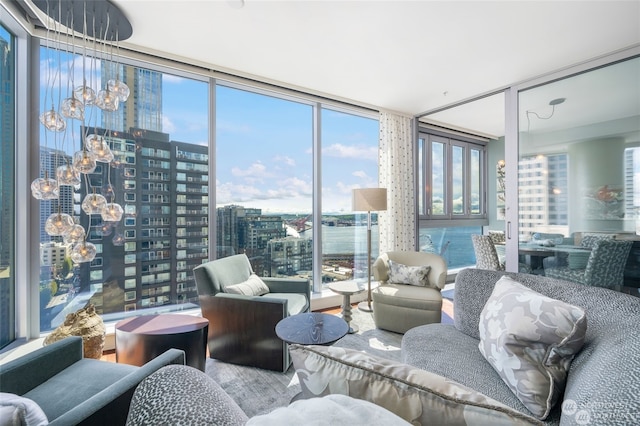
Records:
x=397, y=224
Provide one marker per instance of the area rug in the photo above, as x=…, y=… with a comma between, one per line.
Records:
x=259, y=391
x=448, y=294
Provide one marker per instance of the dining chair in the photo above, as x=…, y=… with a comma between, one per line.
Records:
x=605, y=266
x=487, y=255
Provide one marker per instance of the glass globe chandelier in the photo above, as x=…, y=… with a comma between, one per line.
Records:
x=72, y=108
x=118, y=239
x=68, y=175
x=58, y=224
x=45, y=188
x=83, y=252
x=74, y=235
x=94, y=203
x=67, y=17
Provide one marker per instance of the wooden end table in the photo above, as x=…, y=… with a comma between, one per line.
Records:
x=347, y=289
x=140, y=339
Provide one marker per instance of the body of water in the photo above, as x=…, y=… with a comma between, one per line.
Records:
x=454, y=244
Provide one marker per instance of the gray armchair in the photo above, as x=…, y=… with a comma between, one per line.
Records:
x=241, y=326
x=71, y=389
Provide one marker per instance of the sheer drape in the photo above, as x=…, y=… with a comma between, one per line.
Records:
x=397, y=224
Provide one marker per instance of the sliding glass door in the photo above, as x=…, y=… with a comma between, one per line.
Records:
x=579, y=167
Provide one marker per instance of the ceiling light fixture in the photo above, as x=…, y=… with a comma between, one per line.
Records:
x=553, y=104
x=103, y=22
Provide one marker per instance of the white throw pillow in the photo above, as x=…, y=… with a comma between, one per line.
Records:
x=329, y=410
x=530, y=340
x=18, y=410
x=254, y=286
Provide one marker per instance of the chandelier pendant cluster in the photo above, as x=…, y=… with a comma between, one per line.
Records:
x=102, y=21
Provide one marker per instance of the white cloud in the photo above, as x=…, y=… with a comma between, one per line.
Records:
x=285, y=159
x=360, y=173
x=232, y=193
x=167, y=125
x=256, y=171
x=297, y=186
x=169, y=78
x=286, y=199
x=54, y=76
x=351, y=151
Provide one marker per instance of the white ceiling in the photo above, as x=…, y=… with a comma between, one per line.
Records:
x=404, y=56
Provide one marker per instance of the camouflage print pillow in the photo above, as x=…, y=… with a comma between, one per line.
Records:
x=530, y=340
x=412, y=275
x=417, y=396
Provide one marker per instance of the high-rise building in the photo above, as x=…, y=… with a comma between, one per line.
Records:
x=163, y=188
x=50, y=160
x=289, y=256
x=632, y=183
x=246, y=230
x=53, y=254
x=143, y=109
x=543, y=188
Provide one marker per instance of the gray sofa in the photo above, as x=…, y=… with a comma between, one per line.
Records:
x=603, y=383
x=71, y=389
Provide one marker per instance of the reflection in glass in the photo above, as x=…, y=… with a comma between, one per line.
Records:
x=457, y=173
x=438, y=171
x=577, y=168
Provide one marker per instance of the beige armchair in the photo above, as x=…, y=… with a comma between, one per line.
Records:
x=399, y=306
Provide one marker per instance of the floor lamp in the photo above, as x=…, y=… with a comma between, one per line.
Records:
x=369, y=200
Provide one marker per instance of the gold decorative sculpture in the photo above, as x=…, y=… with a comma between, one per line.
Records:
x=85, y=323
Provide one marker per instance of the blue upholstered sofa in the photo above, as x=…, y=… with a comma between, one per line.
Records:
x=71, y=389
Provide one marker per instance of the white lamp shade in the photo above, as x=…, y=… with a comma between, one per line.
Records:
x=369, y=199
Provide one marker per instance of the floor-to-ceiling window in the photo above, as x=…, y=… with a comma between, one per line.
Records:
x=579, y=166
x=7, y=186
x=451, y=188
x=159, y=175
x=264, y=181
x=150, y=157
x=349, y=157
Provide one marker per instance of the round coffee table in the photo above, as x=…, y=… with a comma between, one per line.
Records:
x=346, y=289
x=311, y=328
x=140, y=339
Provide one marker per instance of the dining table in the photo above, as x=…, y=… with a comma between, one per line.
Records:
x=534, y=254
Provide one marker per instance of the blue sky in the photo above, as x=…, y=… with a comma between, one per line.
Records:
x=264, y=144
